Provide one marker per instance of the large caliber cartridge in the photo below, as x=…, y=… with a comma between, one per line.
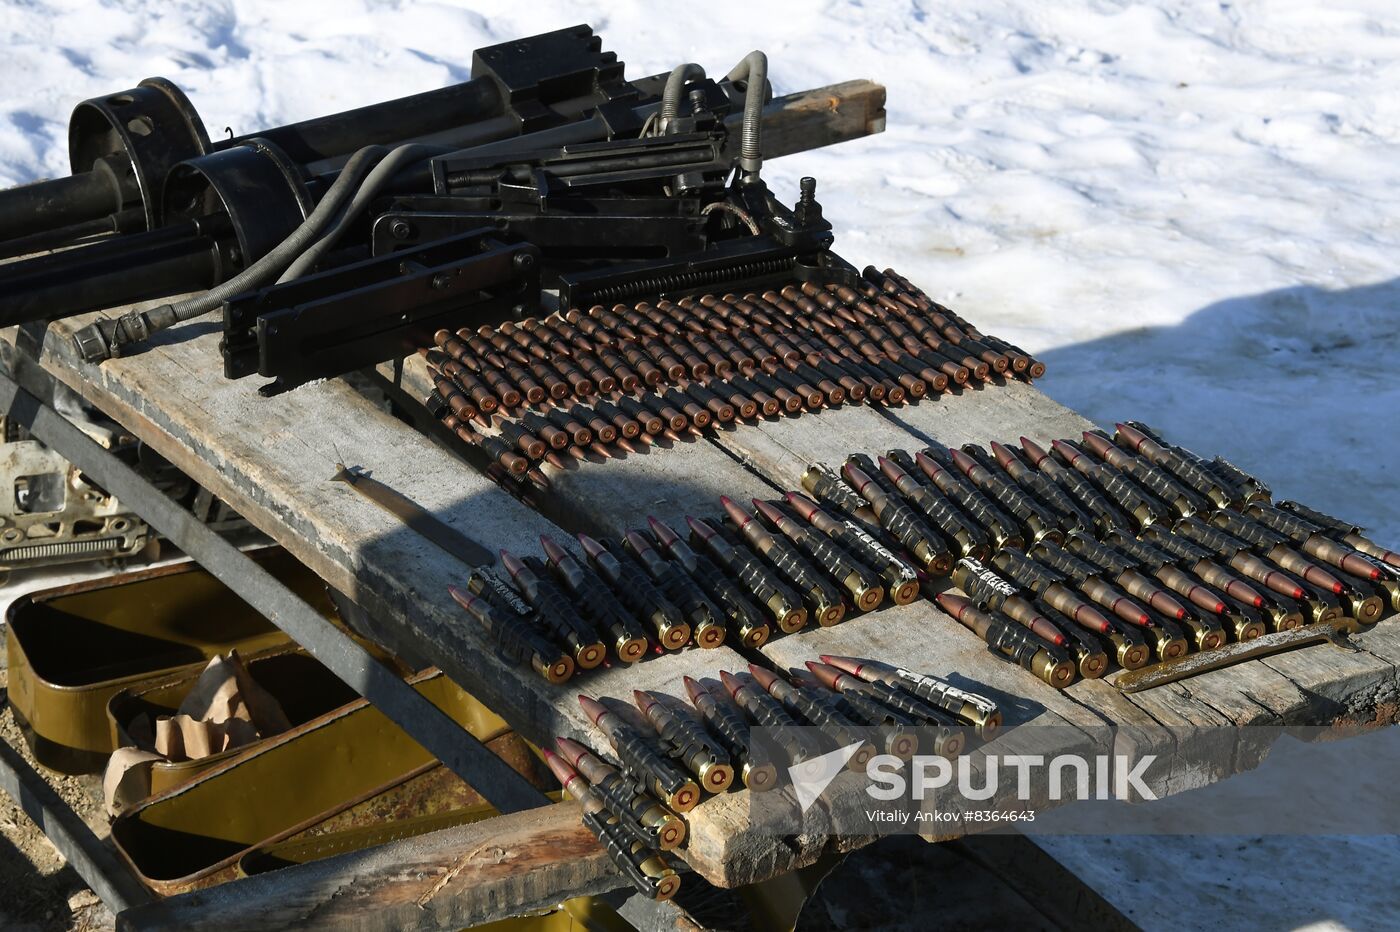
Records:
x=1144, y=508
x=1106, y=515
x=555, y=610
x=767, y=712
x=730, y=729
x=1087, y=579
x=1089, y=650
x=836, y=727
x=1275, y=547
x=1314, y=540
x=1184, y=501
x=705, y=618
x=992, y=592
x=624, y=797
x=859, y=580
x=821, y=595
x=968, y=537
x=597, y=602
x=1038, y=521
x=1042, y=658
x=1204, y=482
x=1050, y=586
x=903, y=524
x=978, y=711
x=593, y=801
x=1037, y=484
x=1236, y=554
x=645, y=869
x=642, y=758
x=1000, y=526
x=630, y=584
x=900, y=578
x=948, y=741
x=518, y=638
x=772, y=593
x=1349, y=534
x=825, y=483
x=743, y=616
x=689, y=742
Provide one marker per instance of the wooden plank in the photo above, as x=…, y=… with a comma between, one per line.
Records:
x=272, y=459
x=453, y=878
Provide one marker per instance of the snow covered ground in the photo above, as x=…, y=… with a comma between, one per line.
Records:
x=1189, y=210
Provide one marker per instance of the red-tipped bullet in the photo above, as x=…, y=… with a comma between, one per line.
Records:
x=1131, y=436
x=572, y=751
x=827, y=675
x=694, y=690
x=770, y=513
x=857, y=478
x=592, y=708
x=1097, y=444
x=962, y=460
x=1034, y=451
x=739, y=516
x=766, y=678
x=662, y=531
x=1066, y=449
x=591, y=546
x=644, y=699
x=553, y=551
x=954, y=605
x=730, y=681
x=805, y=507
x=849, y=665
x=1003, y=455
x=561, y=770
x=699, y=527
x=512, y=564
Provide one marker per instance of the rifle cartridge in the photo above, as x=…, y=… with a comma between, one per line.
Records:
x=1045, y=660
x=728, y=726
x=780, y=601
x=642, y=759
x=630, y=584
x=592, y=801
x=824, y=482
x=821, y=596
x=630, y=641
x=901, y=579
x=1173, y=462
x=667, y=829
x=767, y=712
x=870, y=704
x=690, y=743
x=1085, y=648
x=975, y=710
x=1184, y=501
x=1313, y=540
x=519, y=640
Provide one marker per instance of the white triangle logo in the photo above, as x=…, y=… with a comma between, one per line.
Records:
x=811, y=777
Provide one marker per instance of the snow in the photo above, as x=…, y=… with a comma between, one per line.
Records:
x=1189, y=210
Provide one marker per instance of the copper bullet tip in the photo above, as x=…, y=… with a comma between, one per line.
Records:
x=804, y=505
x=1097, y=445
x=766, y=678
x=1003, y=455
x=553, y=551
x=591, y=546
x=730, y=681
x=643, y=699
x=826, y=674
x=693, y=689
x=736, y=514
x=662, y=531
x=954, y=605
x=1066, y=449
x=1034, y=451
x=561, y=770
x=962, y=460
x=512, y=563
x=592, y=708
x=851, y=665
x=768, y=511
x=638, y=541
x=1133, y=437
x=699, y=527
